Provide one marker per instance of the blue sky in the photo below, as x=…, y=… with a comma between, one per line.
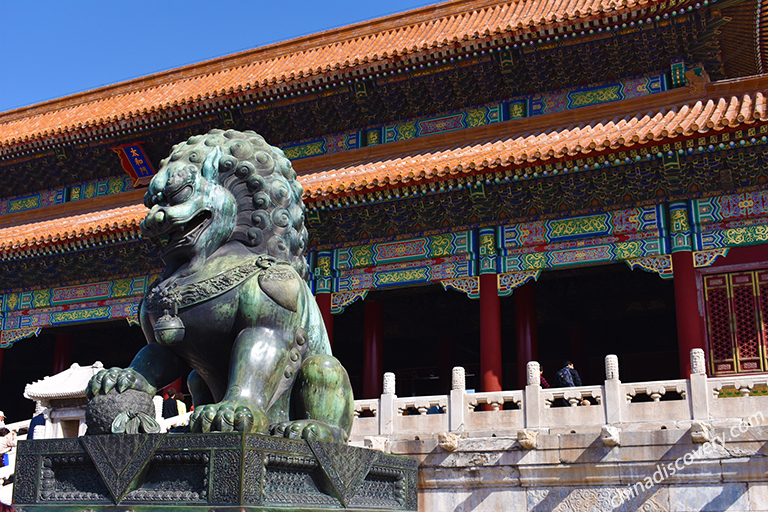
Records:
x=50, y=49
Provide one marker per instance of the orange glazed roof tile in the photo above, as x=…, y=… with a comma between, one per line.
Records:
x=565, y=135
x=36, y=235
x=326, y=52
x=535, y=141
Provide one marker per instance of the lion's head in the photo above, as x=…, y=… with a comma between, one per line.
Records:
x=226, y=186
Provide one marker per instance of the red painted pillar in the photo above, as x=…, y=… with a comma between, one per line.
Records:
x=689, y=321
x=525, y=329
x=324, y=303
x=62, y=354
x=490, y=334
x=373, y=349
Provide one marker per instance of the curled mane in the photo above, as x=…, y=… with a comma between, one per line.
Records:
x=270, y=212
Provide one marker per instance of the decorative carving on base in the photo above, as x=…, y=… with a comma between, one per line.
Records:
x=448, y=442
x=702, y=432
x=610, y=435
x=240, y=471
x=528, y=439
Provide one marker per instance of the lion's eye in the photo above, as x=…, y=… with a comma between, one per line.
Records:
x=181, y=195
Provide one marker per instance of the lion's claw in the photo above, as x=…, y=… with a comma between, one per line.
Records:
x=306, y=429
x=227, y=417
x=117, y=378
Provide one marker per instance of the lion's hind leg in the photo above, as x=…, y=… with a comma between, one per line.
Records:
x=323, y=404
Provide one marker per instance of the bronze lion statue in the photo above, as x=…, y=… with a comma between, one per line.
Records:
x=233, y=305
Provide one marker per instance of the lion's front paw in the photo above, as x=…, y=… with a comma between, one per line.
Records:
x=118, y=379
x=228, y=417
x=307, y=429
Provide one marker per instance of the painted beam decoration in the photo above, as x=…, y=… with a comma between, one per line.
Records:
x=730, y=220
x=619, y=235
x=514, y=108
x=135, y=163
x=25, y=312
x=61, y=195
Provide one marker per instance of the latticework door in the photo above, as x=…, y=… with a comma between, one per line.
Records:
x=735, y=306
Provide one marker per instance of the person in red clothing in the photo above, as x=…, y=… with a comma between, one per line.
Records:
x=542, y=381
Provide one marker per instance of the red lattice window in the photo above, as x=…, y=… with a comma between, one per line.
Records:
x=735, y=305
x=745, y=324
x=719, y=324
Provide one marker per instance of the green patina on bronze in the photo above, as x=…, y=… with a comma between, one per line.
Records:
x=233, y=305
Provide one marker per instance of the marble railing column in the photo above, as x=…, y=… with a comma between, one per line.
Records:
x=373, y=349
x=525, y=329
x=533, y=401
x=456, y=409
x=490, y=334
x=62, y=355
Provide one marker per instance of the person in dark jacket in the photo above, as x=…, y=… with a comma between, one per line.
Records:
x=170, y=407
x=568, y=377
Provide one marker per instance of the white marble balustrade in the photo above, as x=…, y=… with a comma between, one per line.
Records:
x=654, y=405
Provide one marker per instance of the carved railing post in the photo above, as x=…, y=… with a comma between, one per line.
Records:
x=613, y=400
x=387, y=406
x=456, y=410
x=698, y=396
x=532, y=401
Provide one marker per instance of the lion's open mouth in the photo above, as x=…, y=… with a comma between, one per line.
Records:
x=187, y=234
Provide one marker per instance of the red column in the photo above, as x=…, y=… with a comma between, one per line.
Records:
x=689, y=321
x=490, y=334
x=525, y=329
x=324, y=303
x=373, y=349
x=62, y=354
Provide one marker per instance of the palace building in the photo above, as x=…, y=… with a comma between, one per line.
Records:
x=486, y=183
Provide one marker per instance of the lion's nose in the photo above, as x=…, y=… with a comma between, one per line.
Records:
x=154, y=219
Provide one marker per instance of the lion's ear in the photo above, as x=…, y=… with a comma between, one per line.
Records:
x=211, y=164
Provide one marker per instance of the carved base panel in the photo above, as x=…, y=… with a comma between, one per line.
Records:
x=191, y=472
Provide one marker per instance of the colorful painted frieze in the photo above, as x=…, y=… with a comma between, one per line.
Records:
x=566, y=99
x=730, y=220
x=110, y=309
x=326, y=144
x=62, y=195
x=622, y=225
x=68, y=295
x=435, y=246
x=407, y=273
x=591, y=239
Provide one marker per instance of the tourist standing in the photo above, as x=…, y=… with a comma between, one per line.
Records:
x=170, y=406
